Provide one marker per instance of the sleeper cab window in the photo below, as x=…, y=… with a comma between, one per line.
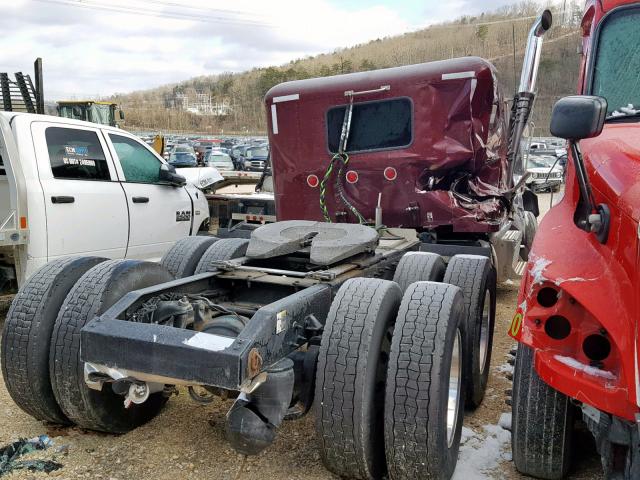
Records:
x=377, y=125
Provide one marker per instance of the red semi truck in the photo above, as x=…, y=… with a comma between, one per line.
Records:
x=577, y=316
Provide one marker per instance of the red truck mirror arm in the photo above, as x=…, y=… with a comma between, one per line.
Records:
x=574, y=118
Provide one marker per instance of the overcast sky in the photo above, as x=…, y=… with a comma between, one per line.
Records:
x=90, y=49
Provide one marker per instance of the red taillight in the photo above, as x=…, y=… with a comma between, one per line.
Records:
x=312, y=181
x=352, y=176
x=390, y=173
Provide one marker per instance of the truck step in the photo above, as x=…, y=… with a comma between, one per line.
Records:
x=507, y=250
x=519, y=269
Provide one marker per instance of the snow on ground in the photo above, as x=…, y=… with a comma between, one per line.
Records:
x=506, y=368
x=481, y=452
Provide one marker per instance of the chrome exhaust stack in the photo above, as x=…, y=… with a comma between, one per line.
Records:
x=531, y=62
x=523, y=101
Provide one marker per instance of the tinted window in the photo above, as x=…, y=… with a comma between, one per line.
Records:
x=138, y=164
x=618, y=63
x=374, y=125
x=76, y=154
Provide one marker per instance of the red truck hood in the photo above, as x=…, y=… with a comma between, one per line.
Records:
x=601, y=279
x=613, y=162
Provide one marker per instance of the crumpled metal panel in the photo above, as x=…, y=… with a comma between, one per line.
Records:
x=454, y=173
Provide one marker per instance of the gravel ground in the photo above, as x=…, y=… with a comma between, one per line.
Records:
x=186, y=441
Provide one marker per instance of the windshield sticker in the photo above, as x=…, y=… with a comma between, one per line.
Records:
x=78, y=151
x=77, y=155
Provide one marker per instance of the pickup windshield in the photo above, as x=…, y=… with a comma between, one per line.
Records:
x=618, y=63
x=257, y=152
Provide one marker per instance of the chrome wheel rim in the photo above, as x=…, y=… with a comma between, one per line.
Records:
x=484, y=330
x=455, y=378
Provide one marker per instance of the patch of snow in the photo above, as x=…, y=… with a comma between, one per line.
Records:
x=466, y=434
x=505, y=421
x=481, y=452
x=506, y=368
x=589, y=370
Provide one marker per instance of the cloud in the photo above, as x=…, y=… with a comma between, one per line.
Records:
x=89, y=52
x=436, y=12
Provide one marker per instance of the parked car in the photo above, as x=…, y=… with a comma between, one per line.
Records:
x=236, y=155
x=254, y=158
x=71, y=188
x=537, y=146
x=546, y=173
x=218, y=160
x=183, y=156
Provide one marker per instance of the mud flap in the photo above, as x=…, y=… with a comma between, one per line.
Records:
x=253, y=419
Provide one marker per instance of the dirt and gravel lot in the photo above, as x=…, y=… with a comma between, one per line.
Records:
x=186, y=441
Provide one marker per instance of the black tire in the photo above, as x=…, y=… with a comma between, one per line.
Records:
x=418, y=445
x=27, y=335
x=542, y=423
x=225, y=249
x=419, y=267
x=92, y=295
x=182, y=259
x=476, y=277
x=349, y=395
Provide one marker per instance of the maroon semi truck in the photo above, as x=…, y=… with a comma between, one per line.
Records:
x=427, y=146
x=399, y=193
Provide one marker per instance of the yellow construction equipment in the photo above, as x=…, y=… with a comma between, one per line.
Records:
x=103, y=113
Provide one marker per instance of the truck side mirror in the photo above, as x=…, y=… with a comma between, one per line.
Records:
x=121, y=115
x=578, y=116
x=168, y=174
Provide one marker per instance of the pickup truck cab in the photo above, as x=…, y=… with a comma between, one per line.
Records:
x=69, y=187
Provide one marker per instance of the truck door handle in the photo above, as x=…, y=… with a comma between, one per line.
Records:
x=62, y=199
x=140, y=199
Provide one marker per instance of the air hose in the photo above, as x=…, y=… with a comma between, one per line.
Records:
x=343, y=158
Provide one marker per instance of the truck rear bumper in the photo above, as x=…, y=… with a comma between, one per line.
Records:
x=161, y=353
x=178, y=356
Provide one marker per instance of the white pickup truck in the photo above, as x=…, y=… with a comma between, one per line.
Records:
x=75, y=188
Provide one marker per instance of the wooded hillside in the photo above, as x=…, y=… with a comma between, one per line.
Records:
x=496, y=36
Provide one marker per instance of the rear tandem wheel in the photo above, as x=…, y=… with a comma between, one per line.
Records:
x=476, y=277
x=183, y=257
x=27, y=335
x=419, y=267
x=424, y=402
x=351, y=374
x=96, y=291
